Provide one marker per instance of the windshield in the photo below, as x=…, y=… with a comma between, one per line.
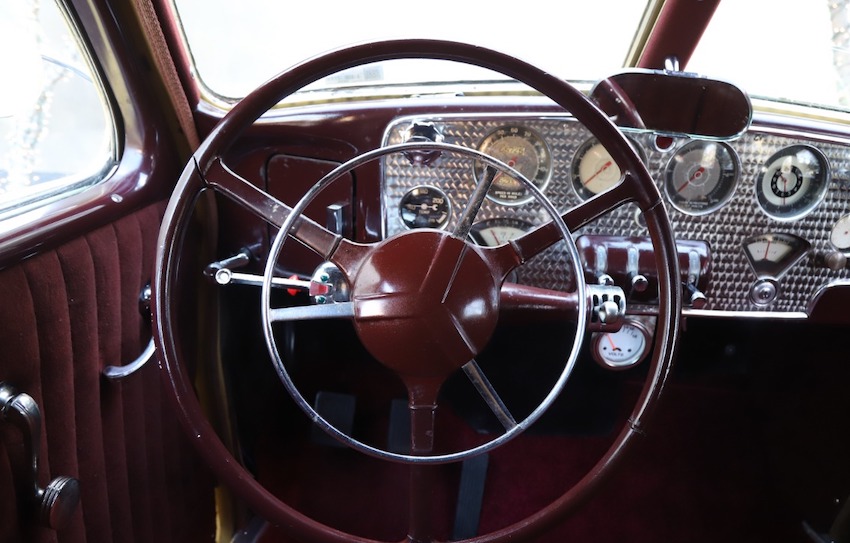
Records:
x=781, y=51
x=793, y=52
x=231, y=42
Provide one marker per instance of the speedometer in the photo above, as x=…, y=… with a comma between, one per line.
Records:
x=523, y=150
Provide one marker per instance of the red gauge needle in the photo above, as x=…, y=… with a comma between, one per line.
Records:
x=511, y=163
x=697, y=174
x=766, y=249
x=599, y=171
x=611, y=341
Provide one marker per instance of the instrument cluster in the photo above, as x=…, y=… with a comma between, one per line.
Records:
x=773, y=207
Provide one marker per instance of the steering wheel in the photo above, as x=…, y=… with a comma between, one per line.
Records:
x=459, y=276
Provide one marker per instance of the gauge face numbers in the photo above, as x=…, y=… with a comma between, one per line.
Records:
x=771, y=255
x=523, y=150
x=624, y=348
x=701, y=177
x=424, y=207
x=792, y=182
x=593, y=169
x=495, y=232
x=839, y=237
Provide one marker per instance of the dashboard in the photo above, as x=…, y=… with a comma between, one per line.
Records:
x=767, y=211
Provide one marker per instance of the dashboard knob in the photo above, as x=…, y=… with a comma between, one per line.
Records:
x=696, y=298
x=639, y=282
x=419, y=132
x=835, y=261
x=763, y=292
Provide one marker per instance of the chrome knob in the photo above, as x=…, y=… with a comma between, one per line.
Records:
x=59, y=501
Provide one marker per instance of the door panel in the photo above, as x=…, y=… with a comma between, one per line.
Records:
x=65, y=315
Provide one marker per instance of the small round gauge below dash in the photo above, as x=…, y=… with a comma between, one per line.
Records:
x=424, y=207
x=624, y=348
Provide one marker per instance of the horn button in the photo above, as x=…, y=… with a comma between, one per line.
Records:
x=425, y=303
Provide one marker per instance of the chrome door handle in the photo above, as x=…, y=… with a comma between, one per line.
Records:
x=56, y=503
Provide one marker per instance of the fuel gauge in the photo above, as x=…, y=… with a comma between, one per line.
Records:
x=773, y=254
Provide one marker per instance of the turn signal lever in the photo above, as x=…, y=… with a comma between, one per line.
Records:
x=55, y=504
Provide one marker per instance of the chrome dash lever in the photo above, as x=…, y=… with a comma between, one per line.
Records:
x=56, y=503
x=607, y=307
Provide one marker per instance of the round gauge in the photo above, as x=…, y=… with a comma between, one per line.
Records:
x=495, y=232
x=624, y=348
x=701, y=177
x=792, y=182
x=593, y=169
x=523, y=150
x=840, y=235
x=424, y=207
x=771, y=255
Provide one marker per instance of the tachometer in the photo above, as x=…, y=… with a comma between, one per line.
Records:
x=701, y=177
x=792, y=182
x=523, y=150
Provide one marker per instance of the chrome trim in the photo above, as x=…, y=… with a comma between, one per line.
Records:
x=115, y=373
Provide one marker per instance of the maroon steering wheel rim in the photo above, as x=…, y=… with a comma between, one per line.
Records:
x=637, y=182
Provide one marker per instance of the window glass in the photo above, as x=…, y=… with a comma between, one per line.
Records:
x=794, y=51
x=56, y=132
x=236, y=46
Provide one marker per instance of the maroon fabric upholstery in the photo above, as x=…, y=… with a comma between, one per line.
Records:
x=65, y=315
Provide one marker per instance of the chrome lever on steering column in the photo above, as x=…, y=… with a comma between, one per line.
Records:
x=57, y=502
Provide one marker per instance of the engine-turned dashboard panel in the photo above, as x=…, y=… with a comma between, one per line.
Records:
x=772, y=208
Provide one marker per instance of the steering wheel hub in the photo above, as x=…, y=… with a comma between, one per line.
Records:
x=425, y=303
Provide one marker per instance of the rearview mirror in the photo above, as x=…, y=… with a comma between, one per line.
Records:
x=674, y=103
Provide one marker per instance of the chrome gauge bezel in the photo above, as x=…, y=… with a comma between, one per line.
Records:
x=701, y=177
x=636, y=332
x=416, y=191
x=603, y=168
x=527, y=152
x=803, y=165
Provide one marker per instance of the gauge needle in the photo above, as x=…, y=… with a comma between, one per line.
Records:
x=511, y=163
x=697, y=174
x=611, y=341
x=599, y=171
x=766, y=249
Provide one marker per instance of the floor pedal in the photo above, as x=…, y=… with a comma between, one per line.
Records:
x=470, y=496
